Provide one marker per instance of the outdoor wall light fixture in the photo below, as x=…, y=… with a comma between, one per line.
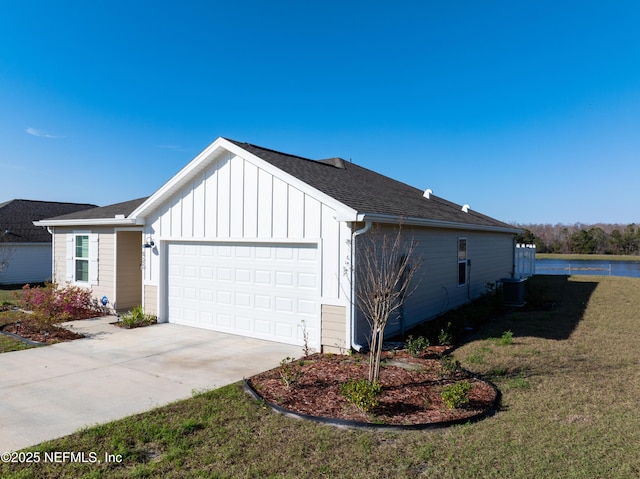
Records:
x=149, y=243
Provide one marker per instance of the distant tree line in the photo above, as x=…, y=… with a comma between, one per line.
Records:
x=582, y=239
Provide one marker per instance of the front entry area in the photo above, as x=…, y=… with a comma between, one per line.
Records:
x=261, y=290
x=128, y=269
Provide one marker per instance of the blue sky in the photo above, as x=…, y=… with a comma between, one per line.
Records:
x=527, y=111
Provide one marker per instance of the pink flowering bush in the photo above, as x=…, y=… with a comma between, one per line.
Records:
x=53, y=304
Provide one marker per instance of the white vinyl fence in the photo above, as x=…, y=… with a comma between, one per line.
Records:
x=525, y=260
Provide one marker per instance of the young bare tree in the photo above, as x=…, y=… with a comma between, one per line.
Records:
x=386, y=267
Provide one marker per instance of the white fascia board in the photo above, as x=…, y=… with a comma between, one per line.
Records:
x=88, y=222
x=221, y=143
x=389, y=219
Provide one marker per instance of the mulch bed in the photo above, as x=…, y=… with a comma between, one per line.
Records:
x=411, y=388
x=40, y=334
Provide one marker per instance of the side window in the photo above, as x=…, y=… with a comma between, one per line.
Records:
x=81, y=265
x=462, y=261
x=81, y=258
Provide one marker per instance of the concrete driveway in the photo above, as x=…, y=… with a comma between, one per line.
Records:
x=53, y=391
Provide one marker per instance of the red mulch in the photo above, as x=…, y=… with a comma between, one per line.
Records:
x=411, y=388
x=35, y=331
x=43, y=334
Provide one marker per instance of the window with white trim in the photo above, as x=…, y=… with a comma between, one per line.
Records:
x=81, y=258
x=462, y=261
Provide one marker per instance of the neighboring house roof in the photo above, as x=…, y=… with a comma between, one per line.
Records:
x=17, y=217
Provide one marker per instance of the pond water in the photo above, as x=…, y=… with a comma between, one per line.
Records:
x=588, y=267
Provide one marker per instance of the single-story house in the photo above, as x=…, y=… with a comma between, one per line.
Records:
x=25, y=249
x=254, y=242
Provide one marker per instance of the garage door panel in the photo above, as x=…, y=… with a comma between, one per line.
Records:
x=308, y=255
x=224, y=297
x=206, y=272
x=284, y=330
x=263, y=278
x=306, y=307
x=224, y=274
x=258, y=290
x=243, y=300
x=263, y=254
x=243, y=325
x=284, y=278
x=263, y=327
x=207, y=295
x=262, y=302
x=243, y=276
x=306, y=280
x=284, y=254
x=223, y=321
x=284, y=305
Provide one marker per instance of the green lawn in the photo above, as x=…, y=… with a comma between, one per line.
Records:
x=8, y=344
x=570, y=409
x=7, y=296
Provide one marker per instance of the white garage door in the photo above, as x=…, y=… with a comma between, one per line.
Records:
x=259, y=290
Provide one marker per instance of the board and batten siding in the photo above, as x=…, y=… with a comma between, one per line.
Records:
x=437, y=290
x=233, y=199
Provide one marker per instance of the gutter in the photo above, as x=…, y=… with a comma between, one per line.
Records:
x=412, y=221
x=352, y=320
x=88, y=222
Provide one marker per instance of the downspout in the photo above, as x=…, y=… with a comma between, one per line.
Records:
x=367, y=226
x=51, y=230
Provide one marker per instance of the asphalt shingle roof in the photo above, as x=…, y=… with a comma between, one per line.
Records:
x=369, y=192
x=103, y=212
x=359, y=188
x=17, y=217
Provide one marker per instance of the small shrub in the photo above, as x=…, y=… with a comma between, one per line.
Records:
x=362, y=393
x=445, y=338
x=137, y=318
x=506, y=339
x=417, y=345
x=456, y=395
x=449, y=366
x=290, y=372
x=53, y=304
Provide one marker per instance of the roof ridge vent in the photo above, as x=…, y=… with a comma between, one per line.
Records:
x=427, y=193
x=465, y=208
x=337, y=162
